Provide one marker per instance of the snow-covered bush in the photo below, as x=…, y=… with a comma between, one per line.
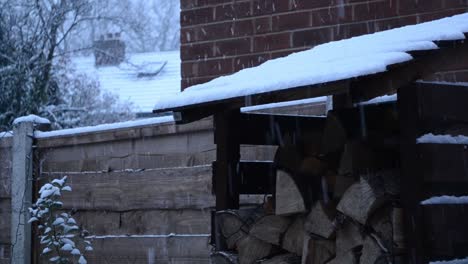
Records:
x=61, y=238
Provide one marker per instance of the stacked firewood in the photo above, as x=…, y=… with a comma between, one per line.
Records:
x=336, y=198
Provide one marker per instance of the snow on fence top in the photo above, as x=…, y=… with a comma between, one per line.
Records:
x=455, y=261
x=105, y=127
x=442, y=139
x=333, y=61
x=31, y=118
x=446, y=199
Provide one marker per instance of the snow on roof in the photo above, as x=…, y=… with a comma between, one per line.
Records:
x=333, y=61
x=105, y=127
x=442, y=139
x=131, y=80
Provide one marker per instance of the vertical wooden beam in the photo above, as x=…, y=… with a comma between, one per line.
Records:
x=226, y=178
x=411, y=175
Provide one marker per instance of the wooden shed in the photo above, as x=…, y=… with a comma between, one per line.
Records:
x=362, y=184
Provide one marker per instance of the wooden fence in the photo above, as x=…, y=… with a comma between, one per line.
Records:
x=144, y=193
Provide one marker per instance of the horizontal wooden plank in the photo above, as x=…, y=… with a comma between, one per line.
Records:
x=147, y=222
x=173, y=188
x=6, y=161
x=258, y=152
x=446, y=231
x=444, y=163
x=156, y=130
x=132, y=161
x=5, y=221
x=126, y=154
x=174, y=249
x=442, y=103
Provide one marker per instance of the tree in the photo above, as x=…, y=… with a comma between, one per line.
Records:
x=34, y=78
x=145, y=26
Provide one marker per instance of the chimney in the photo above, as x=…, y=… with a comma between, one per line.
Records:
x=109, y=50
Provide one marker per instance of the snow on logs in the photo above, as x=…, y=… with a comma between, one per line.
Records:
x=336, y=198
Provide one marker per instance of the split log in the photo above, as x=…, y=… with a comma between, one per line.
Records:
x=317, y=251
x=348, y=237
x=270, y=228
x=382, y=228
x=252, y=249
x=282, y=259
x=288, y=198
x=398, y=229
x=320, y=220
x=293, y=240
x=361, y=199
x=222, y=257
x=233, y=228
x=348, y=257
x=372, y=253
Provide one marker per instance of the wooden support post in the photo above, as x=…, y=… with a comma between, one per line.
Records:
x=411, y=176
x=21, y=193
x=226, y=180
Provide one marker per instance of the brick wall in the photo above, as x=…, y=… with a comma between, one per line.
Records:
x=219, y=37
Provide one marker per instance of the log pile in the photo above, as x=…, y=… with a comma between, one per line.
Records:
x=336, y=199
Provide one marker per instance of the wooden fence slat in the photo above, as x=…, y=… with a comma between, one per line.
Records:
x=5, y=220
x=446, y=231
x=444, y=162
x=163, y=250
x=5, y=172
x=157, y=130
x=145, y=222
x=174, y=188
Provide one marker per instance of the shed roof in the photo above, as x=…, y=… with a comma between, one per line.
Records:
x=132, y=79
x=364, y=67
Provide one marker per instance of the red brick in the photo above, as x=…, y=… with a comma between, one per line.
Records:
x=232, y=47
x=444, y=13
x=196, y=51
x=262, y=25
x=232, y=11
x=393, y=23
x=406, y=7
x=266, y=7
x=350, y=30
x=291, y=21
x=187, y=4
x=196, y=16
x=284, y=53
x=208, y=67
x=312, y=37
x=310, y=4
x=187, y=82
x=248, y=61
x=374, y=10
x=272, y=42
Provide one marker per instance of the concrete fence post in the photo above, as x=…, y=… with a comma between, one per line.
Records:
x=21, y=192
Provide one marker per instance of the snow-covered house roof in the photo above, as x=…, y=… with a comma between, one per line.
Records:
x=141, y=78
x=333, y=68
